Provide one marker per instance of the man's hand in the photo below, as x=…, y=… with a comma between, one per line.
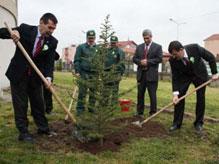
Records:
x=215, y=77
x=144, y=62
x=175, y=99
x=77, y=74
x=15, y=35
x=49, y=82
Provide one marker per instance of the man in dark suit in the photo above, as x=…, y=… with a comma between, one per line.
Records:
x=147, y=56
x=25, y=83
x=188, y=67
x=47, y=94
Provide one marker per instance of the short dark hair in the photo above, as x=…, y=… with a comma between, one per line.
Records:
x=147, y=32
x=49, y=16
x=175, y=45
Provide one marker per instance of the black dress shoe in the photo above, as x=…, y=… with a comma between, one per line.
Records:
x=91, y=110
x=48, y=111
x=152, y=112
x=198, y=127
x=174, y=127
x=138, y=115
x=41, y=132
x=27, y=137
x=46, y=132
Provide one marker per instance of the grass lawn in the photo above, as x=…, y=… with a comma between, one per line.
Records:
x=183, y=146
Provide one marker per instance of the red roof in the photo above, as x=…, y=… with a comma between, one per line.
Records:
x=125, y=43
x=129, y=50
x=212, y=37
x=127, y=46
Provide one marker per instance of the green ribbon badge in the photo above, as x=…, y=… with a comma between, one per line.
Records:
x=45, y=47
x=192, y=59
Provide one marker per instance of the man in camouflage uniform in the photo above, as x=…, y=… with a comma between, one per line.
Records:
x=115, y=67
x=84, y=68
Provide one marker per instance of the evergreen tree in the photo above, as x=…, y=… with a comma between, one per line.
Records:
x=96, y=123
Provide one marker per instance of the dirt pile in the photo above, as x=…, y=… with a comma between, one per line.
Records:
x=64, y=140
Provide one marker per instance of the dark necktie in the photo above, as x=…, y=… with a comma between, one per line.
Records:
x=38, y=46
x=37, y=51
x=185, y=61
x=145, y=52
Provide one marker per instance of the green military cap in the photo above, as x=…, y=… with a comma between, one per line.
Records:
x=113, y=39
x=91, y=34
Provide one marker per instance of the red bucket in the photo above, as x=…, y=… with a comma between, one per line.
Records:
x=125, y=104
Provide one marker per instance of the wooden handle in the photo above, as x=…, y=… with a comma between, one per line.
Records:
x=72, y=99
x=181, y=98
x=41, y=76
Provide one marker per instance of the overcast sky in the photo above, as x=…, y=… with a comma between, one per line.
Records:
x=198, y=19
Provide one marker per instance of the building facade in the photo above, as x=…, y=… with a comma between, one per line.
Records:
x=212, y=44
x=8, y=13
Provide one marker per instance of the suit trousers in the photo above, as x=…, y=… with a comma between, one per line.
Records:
x=47, y=94
x=26, y=89
x=200, y=104
x=47, y=99
x=152, y=91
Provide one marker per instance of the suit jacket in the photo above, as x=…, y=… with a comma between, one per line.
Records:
x=195, y=67
x=154, y=57
x=19, y=66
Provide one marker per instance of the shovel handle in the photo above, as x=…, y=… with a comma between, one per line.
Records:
x=41, y=76
x=72, y=99
x=181, y=98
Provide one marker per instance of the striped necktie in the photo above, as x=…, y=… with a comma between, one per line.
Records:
x=145, y=52
x=38, y=46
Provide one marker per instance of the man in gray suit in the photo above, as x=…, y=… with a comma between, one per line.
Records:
x=147, y=56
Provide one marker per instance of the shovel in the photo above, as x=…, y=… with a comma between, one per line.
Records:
x=41, y=76
x=139, y=124
x=70, y=105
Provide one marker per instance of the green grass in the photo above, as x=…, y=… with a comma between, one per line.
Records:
x=184, y=146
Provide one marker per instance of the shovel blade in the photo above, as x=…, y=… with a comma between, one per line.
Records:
x=137, y=123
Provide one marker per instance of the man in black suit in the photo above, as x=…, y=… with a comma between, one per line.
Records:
x=188, y=67
x=25, y=83
x=47, y=94
x=147, y=56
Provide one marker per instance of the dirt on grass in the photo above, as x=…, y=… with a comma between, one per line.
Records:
x=64, y=141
